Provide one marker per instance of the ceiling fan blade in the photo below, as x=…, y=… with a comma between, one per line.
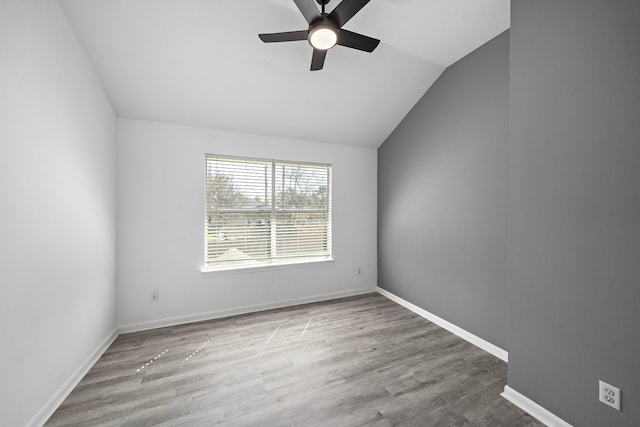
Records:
x=289, y=36
x=308, y=8
x=317, y=60
x=346, y=9
x=357, y=41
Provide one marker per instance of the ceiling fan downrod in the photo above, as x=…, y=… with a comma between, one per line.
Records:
x=322, y=3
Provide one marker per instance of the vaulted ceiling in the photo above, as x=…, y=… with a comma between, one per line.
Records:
x=201, y=63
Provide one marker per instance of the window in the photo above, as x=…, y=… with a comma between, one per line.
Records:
x=260, y=212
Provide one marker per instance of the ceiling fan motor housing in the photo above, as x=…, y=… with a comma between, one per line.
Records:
x=323, y=28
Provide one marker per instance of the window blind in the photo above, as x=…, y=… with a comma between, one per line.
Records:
x=262, y=211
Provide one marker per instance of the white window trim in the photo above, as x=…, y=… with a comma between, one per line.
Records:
x=302, y=263
x=267, y=267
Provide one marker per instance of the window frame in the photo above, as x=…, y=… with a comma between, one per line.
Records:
x=272, y=262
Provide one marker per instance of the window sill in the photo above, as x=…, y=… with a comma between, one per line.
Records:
x=266, y=267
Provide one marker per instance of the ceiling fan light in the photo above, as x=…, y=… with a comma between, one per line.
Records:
x=323, y=38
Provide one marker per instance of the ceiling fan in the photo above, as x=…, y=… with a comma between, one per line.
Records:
x=325, y=29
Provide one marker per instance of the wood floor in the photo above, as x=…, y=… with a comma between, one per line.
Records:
x=359, y=361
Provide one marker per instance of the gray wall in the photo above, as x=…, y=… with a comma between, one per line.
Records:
x=574, y=303
x=442, y=191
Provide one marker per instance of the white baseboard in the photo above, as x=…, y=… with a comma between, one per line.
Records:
x=198, y=317
x=510, y=394
x=58, y=397
x=533, y=409
x=464, y=334
x=61, y=394
x=524, y=403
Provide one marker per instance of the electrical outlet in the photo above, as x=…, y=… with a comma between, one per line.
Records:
x=359, y=271
x=610, y=395
x=155, y=296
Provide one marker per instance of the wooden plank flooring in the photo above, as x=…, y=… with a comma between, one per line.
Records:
x=359, y=361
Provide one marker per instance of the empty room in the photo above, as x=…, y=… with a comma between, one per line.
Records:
x=319, y=213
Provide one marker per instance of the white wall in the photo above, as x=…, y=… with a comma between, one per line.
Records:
x=57, y=210
x=160, y=223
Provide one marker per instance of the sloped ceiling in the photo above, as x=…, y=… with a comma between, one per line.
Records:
x=200, y=62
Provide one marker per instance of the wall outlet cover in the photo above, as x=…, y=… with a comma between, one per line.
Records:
x=609, y=395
